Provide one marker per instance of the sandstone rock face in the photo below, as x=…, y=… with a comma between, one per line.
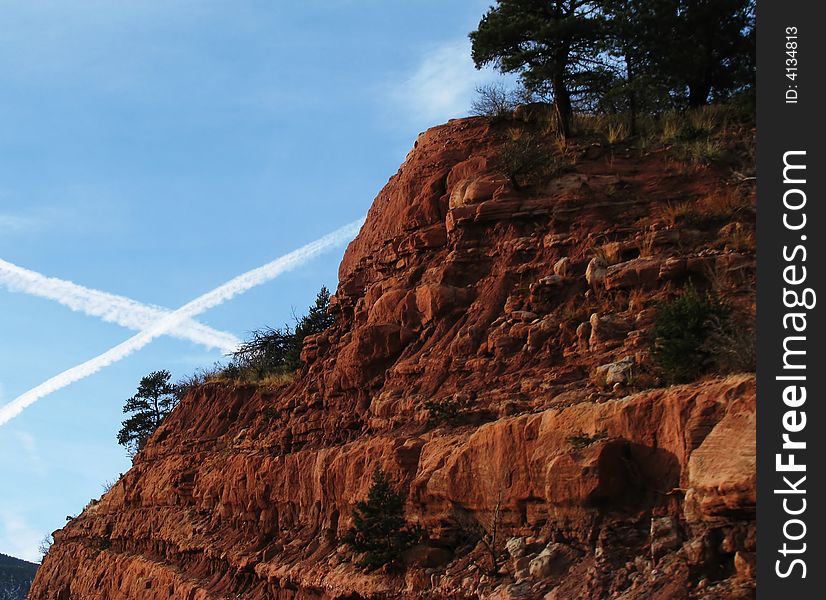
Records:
x=458, y=289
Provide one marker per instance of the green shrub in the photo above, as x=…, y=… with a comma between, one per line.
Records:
x=733, y=344
x=317, y=319
x=380, y=532
x=272, y=351
x=494, y=101
x=444, y=411
x=525, y=157
x=271, y=414
x=681, y=331
x=583, y=440
x=265, y=351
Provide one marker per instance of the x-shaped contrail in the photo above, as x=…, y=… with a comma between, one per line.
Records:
x=109, y=307
x=174, y=319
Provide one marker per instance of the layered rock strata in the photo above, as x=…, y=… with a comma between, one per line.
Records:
x=526, y=314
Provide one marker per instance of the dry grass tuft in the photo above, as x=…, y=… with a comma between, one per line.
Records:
x=617, y=132
x=671, y=127
x=646, y=243
x=674, y=213
x=726, y=204
x=276, y=380
x=700, y=152
x=636, y=300
x=738, y=237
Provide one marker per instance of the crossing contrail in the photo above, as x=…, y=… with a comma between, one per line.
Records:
x=219, y=295
x=109, y=307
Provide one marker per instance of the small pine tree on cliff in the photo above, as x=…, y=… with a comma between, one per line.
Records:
x=154, y=400
x=273, y=350
x=380, y=531
x=315, y=321
x=681, y=332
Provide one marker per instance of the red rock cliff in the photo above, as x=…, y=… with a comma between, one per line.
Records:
x=527, y=312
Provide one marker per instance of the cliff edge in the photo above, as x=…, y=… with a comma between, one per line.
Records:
x=524, y=314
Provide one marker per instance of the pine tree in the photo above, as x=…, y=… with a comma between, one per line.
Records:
x=153, y=401
x=711, y=47
x=272, y=350
x=553, y=43
x=698, y=49
x=315, y=321
x=380, y=530
x=618, y=55
x=635, y=38
x=682, y=327
x=318, y=318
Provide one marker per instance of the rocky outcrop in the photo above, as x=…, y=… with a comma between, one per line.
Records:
x=462, y=290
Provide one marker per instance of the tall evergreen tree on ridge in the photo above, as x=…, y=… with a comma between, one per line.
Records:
x=711, y=51
x=555, y=44
x=153, y=401
x=685, y=52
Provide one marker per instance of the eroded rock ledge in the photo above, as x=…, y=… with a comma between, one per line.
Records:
x=530, y=312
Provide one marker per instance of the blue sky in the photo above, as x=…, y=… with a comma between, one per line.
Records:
x=155, y=149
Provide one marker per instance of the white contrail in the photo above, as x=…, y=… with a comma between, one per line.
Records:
x=109, y=307
x=219, y=295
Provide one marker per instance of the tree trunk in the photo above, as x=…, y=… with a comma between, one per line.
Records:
x=562, y=100
x=156, y=413
x=632, y=97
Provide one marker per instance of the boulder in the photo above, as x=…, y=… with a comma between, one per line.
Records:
x=516, y=547
x=640, y=272
x=618, y=372
x=596, y=271
x=607, y=330
x=563, y=267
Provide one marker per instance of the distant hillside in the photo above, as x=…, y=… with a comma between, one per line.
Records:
x=15, y=577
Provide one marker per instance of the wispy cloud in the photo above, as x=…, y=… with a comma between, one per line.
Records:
x=442, y=85
x=83, y=210
x=18, y=538
x=219, y=295
x=109, y=307
x=28, y=443
x=15, y=223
